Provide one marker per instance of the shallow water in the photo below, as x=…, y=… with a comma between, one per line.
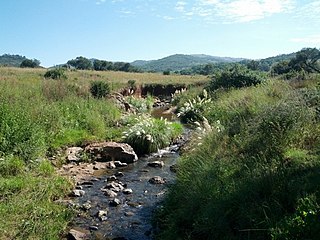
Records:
x=132, y=218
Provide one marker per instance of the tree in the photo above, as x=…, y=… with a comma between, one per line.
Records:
x=307, y=59
x=237, y=77
x=30, y=63
x=80, y=63
x=102, y=65
x=281, y=67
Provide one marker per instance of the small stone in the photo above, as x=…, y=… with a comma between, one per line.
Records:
x=102, y=215
x=129, y=214
x=85, y=183
x=120, y=164
x=86, y=206
x=127, y=191
x=76, y=235
x=110, y=165
x=77, y=193
x=111, y=178
x=119, y=174
x=109, y=193
x=156, y=164
x=115, y=202
x=93, y=228
x=157, y=180
x=79, y=187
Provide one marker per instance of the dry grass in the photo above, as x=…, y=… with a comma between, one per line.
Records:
x=116, y=79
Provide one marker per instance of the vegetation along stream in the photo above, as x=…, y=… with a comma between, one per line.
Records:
x=119, y=203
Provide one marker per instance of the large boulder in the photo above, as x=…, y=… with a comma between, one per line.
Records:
x=111, y=151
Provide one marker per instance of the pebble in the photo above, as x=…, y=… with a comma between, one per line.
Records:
x=127, y=191
x=115, y=202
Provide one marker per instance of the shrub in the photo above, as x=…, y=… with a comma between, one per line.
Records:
x=236, y=77
x=192, y=111
x=149, y=134
x=99, y=89
x=142, y=105
x=57, y=73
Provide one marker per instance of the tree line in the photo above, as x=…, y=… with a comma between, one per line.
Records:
x=82, y=63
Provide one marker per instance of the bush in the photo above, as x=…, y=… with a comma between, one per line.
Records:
x=236, y=77
x=99, y=89
x=193, y=110
x=57, y=73
x=142, y=105
x=149, y=134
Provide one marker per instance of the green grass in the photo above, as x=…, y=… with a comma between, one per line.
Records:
x=27, y=207
x=258, y=178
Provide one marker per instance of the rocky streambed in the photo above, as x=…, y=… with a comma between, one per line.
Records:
x=117, y=202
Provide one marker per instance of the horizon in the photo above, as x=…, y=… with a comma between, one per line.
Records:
x=123, y=30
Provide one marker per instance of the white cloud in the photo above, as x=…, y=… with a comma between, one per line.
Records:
x=312, y=39
x=100, y=2
x=235, y=10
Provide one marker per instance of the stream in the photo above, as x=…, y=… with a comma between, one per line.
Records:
x=130, y=218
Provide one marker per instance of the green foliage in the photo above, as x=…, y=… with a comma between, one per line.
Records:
x=167, y=72
x=99, y=89
x=11, y=166
x=258, y=178
x=307, y=60
x=235, y=77
x=80, y=63
x=29, y=63
x=20, y=133
x=149, y=134
x=11, y=60
x=142, y=105
x=27, y=206
x=57, y=73
x=193, y=110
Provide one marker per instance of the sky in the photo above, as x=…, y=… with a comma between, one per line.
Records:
x=55, y=31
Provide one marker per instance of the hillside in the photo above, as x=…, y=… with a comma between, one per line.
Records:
x=11, y=60
x=179, y=62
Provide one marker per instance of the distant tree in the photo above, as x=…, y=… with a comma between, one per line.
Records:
x=167, y=72
x=281, y=67
x=102, y=65
x=235, y=77
x=81, y=63
x=30, y=63
x=307, y=59
x=253, y=65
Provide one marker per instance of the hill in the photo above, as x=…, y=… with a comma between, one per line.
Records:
x=11, y=60
x=179, y=62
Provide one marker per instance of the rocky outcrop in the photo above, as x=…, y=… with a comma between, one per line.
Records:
x=111, y=151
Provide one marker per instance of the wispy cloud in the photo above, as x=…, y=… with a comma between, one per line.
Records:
x=312, y=39
x=98, y=2
x=234, y=10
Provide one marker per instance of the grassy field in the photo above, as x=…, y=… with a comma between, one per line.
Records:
x=39, y=116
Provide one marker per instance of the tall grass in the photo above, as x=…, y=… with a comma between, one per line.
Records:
x=256, y=179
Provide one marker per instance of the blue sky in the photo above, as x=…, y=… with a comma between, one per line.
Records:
x=55, y=31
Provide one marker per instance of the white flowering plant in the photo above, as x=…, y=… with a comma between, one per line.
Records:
x=150, y=134
x=192, y=110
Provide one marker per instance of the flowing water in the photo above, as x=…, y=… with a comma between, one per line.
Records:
x=132, y=218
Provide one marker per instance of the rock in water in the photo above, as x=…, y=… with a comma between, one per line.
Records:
x=112, y=151
x=157, y=180
x=156, y=164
